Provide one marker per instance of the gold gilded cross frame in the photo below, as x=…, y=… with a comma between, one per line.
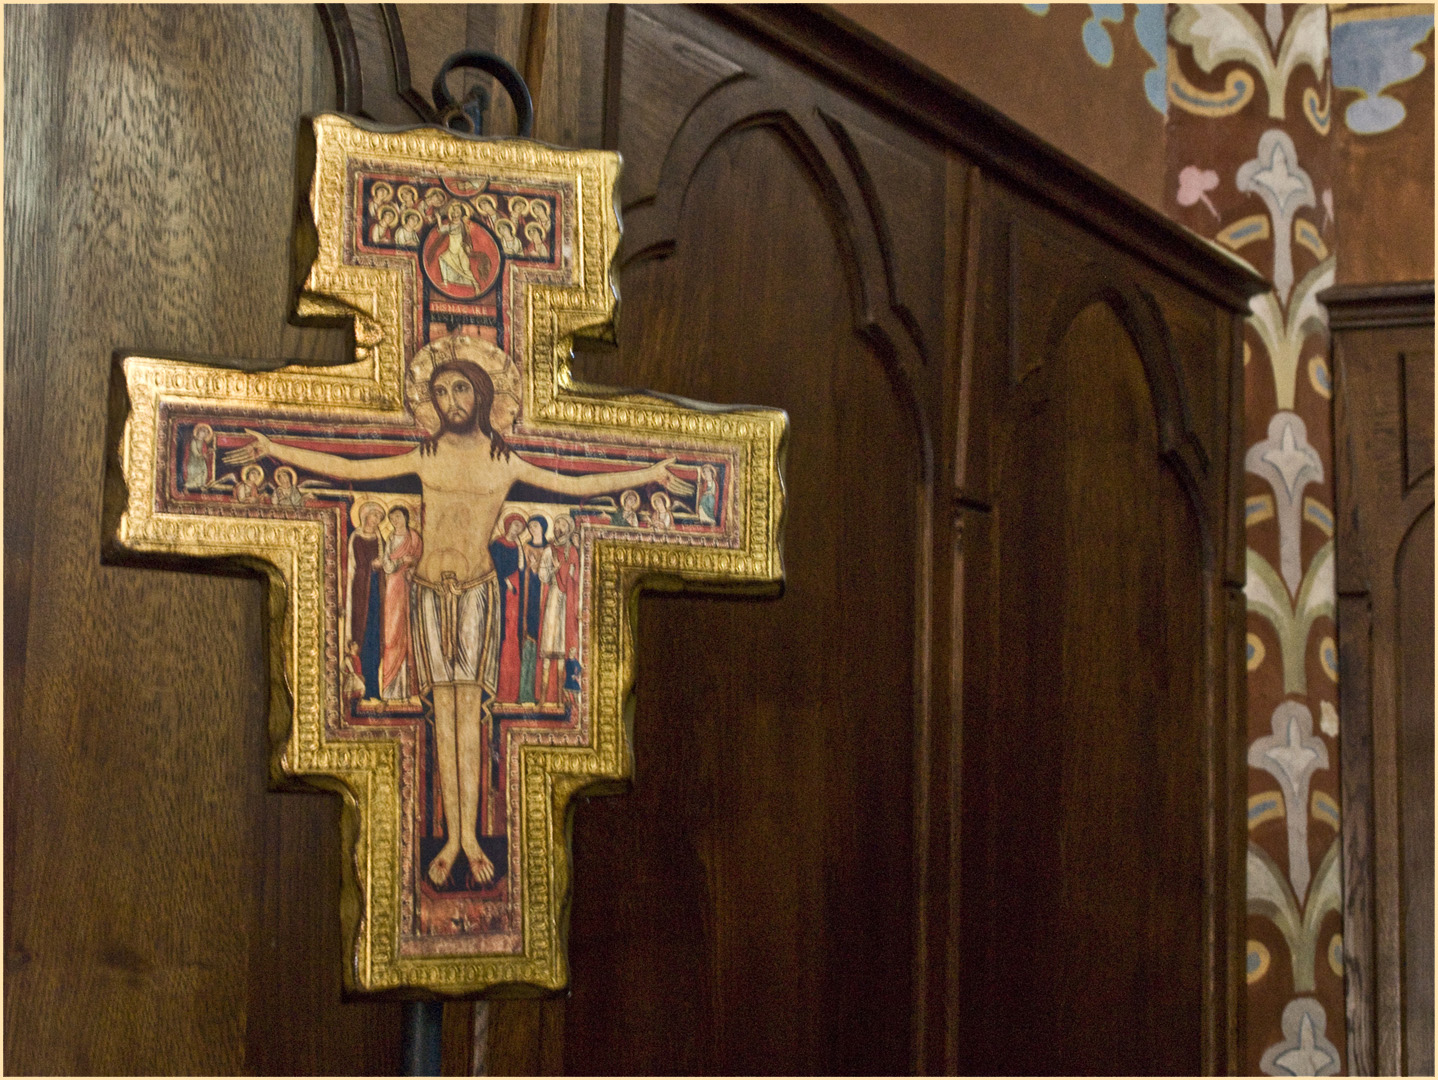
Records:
x=453, y=531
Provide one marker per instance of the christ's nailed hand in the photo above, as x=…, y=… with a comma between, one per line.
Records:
x=251, y=451
x=674, y=483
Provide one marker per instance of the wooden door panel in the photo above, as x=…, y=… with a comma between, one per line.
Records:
x=1095, y=699
x=1383, y=474
x=761, y=869
x=1008, y=480
x=1414, y=649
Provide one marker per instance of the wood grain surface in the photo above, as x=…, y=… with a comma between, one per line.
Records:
x=1383, y=437
x=977, y=762
x=164, y=914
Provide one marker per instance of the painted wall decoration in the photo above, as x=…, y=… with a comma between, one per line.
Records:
x=1149, y=28
x=1371, y=54
x=456, y=531
x=1300, y=138
x=1383, y=122
x=1090, y=79
x=1250, y=130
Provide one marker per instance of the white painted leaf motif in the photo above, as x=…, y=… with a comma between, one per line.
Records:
x=1276, y=177
x=1270, y=896
x=1291, y=755
x=1268, y=596
x=1220, y=33
x=1283, y=336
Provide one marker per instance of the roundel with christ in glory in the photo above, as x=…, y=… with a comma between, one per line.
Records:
x=460, y=256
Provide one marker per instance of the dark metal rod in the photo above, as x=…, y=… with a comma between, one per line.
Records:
x=420, y=1049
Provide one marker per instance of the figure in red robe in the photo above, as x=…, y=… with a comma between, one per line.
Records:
x=403, y=550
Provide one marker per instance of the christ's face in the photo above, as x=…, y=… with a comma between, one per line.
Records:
x=454, y=400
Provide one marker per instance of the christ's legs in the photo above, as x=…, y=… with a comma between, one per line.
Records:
x=469, y=727
x=449, y=783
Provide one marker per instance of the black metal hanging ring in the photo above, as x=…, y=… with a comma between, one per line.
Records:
x=502, y=70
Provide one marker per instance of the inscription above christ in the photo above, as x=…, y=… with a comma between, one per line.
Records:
x=457, y=531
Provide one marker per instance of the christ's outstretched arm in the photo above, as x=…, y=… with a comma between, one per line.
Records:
x=598, y=483
x=377, y=468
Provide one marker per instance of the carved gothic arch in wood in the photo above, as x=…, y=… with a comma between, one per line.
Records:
x=819, y=144
x=1179, y=446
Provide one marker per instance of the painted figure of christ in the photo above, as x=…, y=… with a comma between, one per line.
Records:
x=466, y=472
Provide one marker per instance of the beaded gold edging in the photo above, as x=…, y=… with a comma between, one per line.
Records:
x=366, y=770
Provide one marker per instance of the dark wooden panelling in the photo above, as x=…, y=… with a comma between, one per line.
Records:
x=979, y=572
x=748, y=908
x=1414, y=646
x=1383, y=435
x=1098, y=701
x=149, y=199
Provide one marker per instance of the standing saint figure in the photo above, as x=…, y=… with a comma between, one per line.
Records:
x=538, y=239
x=536, y=571
x=351, y=680
x=432, y=203
x=407, y=235
x=504, y=552
x=628, y=512
x=380, y=194
x=366, y=562
x=707, y=504
x=401, y=553
x=465, y=472
x=200, y=458
x=286, y=491
x=509, y=243
x=563, y=598
x=379, y=232
x=250, y=489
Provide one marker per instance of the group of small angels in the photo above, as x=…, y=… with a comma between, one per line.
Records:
x=254, y=487
x=659, y=516
x=398, y=214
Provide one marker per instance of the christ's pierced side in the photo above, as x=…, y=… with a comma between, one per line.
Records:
x=456, y=531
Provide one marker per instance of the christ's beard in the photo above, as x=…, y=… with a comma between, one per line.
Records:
x=465, y=423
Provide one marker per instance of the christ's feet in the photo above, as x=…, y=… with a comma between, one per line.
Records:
x=481, y=870
x=439, y=869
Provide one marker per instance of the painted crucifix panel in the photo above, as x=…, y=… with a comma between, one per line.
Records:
x=455, y=529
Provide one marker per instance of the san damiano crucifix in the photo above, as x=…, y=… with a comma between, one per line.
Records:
x=454, y=530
